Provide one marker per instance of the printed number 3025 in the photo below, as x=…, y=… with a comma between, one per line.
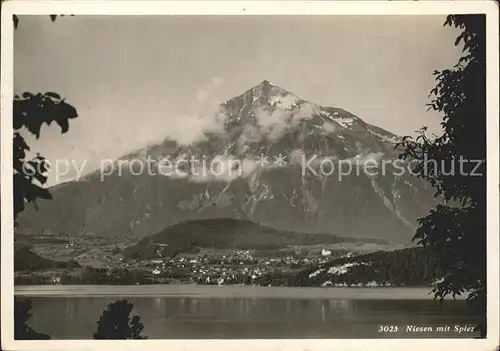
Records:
x=387, y=328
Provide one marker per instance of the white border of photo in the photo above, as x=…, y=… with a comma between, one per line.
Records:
x=76, y=7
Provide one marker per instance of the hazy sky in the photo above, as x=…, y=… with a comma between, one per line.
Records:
x=137, y=80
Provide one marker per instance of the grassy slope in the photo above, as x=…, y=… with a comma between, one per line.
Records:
x=225, y=233
x=27, y=260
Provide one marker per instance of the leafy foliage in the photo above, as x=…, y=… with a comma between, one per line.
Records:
x=116, y=322
x=15, y=19
x=456, y=235
x=31, y=112
x=22, y=313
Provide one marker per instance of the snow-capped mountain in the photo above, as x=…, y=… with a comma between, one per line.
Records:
x=267, y=159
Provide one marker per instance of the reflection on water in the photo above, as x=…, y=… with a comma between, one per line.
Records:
x=204, y=317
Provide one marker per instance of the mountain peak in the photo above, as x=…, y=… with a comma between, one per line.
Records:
x=265, y=120
x=264, y=95
x=264, y=83
x=264, y=88
x=267, y=91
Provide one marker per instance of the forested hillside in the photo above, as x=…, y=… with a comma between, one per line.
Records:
x=406, y=267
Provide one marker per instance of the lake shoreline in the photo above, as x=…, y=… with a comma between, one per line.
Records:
x=226, y=291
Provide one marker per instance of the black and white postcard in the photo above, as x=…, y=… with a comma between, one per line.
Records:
x=250, y=175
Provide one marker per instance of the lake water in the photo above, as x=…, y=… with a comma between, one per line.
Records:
x=229, y=312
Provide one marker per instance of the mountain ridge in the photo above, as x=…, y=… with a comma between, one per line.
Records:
x=227, y=233
x=263, y=120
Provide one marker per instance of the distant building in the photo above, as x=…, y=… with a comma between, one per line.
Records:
x=326, y=252
x=348, y=255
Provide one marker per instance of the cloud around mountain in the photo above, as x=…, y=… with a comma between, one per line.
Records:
x=256, y=143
